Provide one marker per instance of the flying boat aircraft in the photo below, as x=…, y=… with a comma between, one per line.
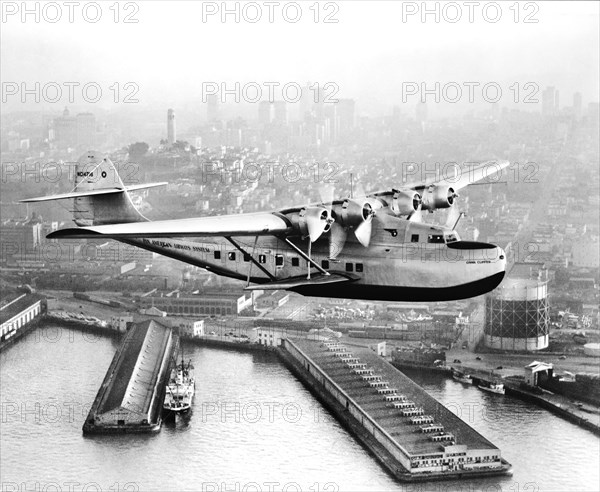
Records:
x=372, y=247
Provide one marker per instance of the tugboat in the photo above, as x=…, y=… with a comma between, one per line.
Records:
x=462, y=377
x=492, y=387
x=180, y=389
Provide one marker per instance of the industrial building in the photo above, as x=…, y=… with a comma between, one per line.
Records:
x=132, y=393
x=410, y=432
x=214, y=304
x=517, y=317
x=17, y=313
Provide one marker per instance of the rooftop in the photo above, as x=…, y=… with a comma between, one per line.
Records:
x=13, y=305
x=389, y=418
x=131, y=382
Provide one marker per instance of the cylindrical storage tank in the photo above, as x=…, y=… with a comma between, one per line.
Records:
x=516, y=316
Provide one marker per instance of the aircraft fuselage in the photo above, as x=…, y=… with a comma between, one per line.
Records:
x=389, y=269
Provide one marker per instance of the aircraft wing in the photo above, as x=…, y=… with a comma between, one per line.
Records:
x=458, y=178
x=254, y=224
x=473, y=173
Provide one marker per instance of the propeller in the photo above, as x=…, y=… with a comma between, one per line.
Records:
x=337, y=239
x=351, y=214
x=315, y=221
x=452, y=196
x=355, y=214
x=417, y=215
x=363, y=233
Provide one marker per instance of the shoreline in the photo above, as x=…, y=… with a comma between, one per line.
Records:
x=511, y=388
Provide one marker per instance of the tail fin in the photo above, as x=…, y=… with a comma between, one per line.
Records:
x=93, y=174
x=99, y=195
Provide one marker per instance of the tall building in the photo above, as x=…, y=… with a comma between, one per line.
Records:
x=212, y=108
x=280, y=112
x=74, y=131
x=346, y=115
x=65, y=130
x=306, y=103
x=171, y=136
x=577, y=103
x=550, y=101
x=22, y=235
x=265, y=112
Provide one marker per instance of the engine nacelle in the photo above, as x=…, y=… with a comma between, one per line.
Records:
x=438, y=197
x=312, y=222
x=352, y=213
x=405, y=202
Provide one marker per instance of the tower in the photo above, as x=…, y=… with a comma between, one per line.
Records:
x=171, y=136
x=517, y=316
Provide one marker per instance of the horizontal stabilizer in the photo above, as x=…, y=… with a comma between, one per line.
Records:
x=258, y=224
x=74, y=194
x=302, y=281
x=144, y=186
x=96, y=192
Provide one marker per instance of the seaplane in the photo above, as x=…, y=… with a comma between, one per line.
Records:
x=373, y=247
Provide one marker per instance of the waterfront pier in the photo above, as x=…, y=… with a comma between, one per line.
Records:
x=414, y=436
x=131, y=396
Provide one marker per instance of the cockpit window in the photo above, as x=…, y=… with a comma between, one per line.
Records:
x=451, y=237
x=435, y=238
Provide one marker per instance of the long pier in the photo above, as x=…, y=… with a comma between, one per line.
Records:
x=411, y=434
x=131, y=396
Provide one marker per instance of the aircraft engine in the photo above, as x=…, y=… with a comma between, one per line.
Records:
x=312, y=222
x=405, y=202
x=438, y=197
x=352, y=214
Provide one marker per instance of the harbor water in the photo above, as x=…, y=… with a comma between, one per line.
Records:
x=253, y=427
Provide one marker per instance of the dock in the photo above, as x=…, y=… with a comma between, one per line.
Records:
x=411, y=434
x=585, y=415
x=131, y=396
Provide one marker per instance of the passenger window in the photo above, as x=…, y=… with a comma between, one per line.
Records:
x=217, y=255
x=359, y=268
x=325, y=264
x=435, y=239
x=246, y=257
x=279, y=260
x=231, y=255
x=349, y=267
x=295, y=261
x=414, y=238
x=262, y=258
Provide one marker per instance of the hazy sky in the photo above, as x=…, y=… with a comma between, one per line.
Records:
x=368, y=53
